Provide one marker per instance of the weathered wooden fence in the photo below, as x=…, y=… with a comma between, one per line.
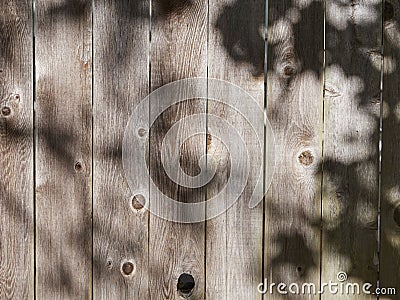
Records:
x=72, y=71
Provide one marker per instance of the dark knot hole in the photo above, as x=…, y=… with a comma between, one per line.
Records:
x=185, y=285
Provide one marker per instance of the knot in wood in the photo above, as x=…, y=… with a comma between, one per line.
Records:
x=109, y=263
x=289, y=56
x=78, y=166
x=127, y=268
x=142, y=132
x=289, y=71
x=6, y=111
x=306, y=158
x=289, y=63
x=138, y=202
x=300, y=271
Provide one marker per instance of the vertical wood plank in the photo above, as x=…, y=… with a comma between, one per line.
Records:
x=64, y=145
x=389, y=274
x=294, y=108
x=234, y=244
x=178, y=50
x=121, y=68
x=351, y=123
x=16, y=151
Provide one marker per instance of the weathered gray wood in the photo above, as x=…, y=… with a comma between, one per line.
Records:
x=121, y=68
x=234, y=244
x=294, y=108
x=64, y=145
x=389, y=274
x=16, y=151
x=178, y=50
x=351, y=122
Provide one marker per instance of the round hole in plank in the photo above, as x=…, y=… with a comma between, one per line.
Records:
x=289, y=71
x=185, y=285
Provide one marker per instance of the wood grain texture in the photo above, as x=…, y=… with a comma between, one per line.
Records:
x=178, y=50
x=16, y=151
x=320, y=215
x=351, y=122
x=121, y=68
x=234, y=244
x=389, y=274
x=64, y=145
x=294, y=108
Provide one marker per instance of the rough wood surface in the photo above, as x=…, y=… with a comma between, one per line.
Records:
x=64, y=145
x=294, y=108
x=121, y=68
x=351, y=123
x=320, y=216
x=389, y=274
x=178, y=50
x=234, y=240
x=16, y=151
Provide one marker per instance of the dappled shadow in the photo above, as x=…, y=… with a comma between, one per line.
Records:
x=351, y=158
x=390, y=196
x=243, y=37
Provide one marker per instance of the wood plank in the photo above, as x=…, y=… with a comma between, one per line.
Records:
x=351, y=156
x=64, y=146
x=294, y=108
x=178, y=50
x=234, y=245
x=16, y=151
x=389, y=274
x=120, y=229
